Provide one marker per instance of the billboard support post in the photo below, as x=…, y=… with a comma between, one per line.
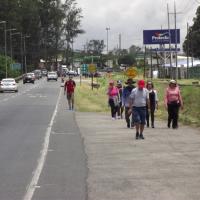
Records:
x=145, y=51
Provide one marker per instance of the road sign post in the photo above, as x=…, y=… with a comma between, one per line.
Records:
x=92, y=70
x=131, y=72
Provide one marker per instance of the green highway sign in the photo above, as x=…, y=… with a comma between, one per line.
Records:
x=84, y=68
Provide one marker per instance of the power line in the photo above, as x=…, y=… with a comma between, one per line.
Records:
x=188, y=6
x=197, y=1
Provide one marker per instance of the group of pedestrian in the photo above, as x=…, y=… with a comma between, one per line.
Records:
x=141, y=102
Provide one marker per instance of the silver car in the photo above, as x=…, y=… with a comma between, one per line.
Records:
x=8, y=84
x=52, y=76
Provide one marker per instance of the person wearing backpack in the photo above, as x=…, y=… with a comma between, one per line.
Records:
x=173, y=101
x=69, y=88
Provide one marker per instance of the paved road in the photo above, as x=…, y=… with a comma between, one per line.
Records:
x=50, y=153
x=41, y=157
x=164, y=166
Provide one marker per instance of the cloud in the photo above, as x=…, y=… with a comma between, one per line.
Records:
x=129, y=18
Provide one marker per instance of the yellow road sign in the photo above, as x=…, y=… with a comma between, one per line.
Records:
x=92, y=68
x=131, y=72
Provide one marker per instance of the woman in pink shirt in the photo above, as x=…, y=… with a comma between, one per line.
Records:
x=173, y=101
x=113, y=98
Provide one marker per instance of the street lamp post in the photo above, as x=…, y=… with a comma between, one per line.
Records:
x=17, y=33
x=5, y=48
x=21, y=46
x=25, y=67
x=12, y=29
x=107, y=29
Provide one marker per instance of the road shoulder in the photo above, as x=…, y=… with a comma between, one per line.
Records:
x=163, y=166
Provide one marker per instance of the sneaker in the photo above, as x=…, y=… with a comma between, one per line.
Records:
x=137, y=136
x=141, y=136
x=152, y=126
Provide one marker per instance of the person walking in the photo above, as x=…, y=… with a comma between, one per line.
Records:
x=120, y=108
x=113, y=98
x=126, y=98
x=69, y=88
x=139, y=99
x=173, y=101
x=153, y=103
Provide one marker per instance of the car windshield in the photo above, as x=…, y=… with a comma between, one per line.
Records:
x=52, y=73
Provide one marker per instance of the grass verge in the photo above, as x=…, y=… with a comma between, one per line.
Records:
x=88, y=100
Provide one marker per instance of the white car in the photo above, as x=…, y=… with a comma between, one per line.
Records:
x=8, y=84
x=52, y=76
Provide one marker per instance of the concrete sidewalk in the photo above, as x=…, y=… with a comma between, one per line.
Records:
x=164, y=166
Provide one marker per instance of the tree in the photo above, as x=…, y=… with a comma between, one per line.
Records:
x=134, y=50
x=71, y=26
x=95, y=47
x=127, y=60
x=45, y=21
x=192, y=39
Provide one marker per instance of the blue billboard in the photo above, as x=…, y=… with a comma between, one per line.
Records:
x=161, y=36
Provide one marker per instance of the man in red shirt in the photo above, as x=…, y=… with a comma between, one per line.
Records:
x=69, y=88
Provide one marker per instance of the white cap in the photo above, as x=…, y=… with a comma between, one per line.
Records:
x=172, y=81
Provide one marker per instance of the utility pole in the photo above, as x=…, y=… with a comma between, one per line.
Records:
x=175, y=15
x=169, y=41
x=175, y=21
x=120, y=41
x=188, y=38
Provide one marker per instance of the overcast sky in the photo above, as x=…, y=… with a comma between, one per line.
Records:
x=129, y=18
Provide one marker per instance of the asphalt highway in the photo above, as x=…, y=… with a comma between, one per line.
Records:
x=41, y=150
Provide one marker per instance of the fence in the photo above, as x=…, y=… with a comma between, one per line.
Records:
x=193, y=72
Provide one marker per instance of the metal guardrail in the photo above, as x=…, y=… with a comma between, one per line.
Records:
x=19, y=78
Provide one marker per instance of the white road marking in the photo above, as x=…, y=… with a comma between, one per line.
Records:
x=36, y=175
x=66, y=133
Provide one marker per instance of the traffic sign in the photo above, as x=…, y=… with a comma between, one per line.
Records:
x=17, y=66
x=92, y=68
x=131, y=72
x=84, y=68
